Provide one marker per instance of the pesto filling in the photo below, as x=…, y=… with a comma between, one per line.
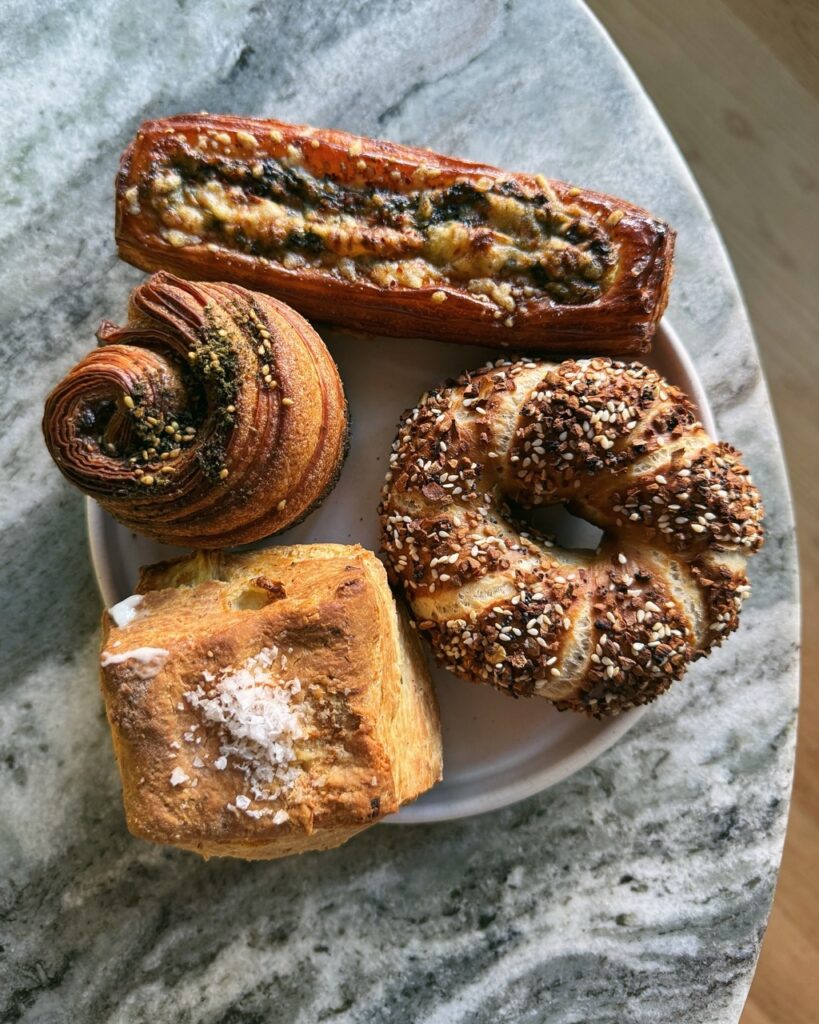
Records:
x=499, y=242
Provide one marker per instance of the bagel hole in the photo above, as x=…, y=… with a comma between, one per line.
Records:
x=566, y=530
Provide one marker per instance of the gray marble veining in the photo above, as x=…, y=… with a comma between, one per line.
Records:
x=636, y=891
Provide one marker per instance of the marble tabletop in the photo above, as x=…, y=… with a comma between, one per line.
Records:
x=636, y=891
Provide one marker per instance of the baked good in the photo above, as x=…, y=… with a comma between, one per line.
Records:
x=391, y=239
x=266, y=703
x=214, y=417
x=593, y=631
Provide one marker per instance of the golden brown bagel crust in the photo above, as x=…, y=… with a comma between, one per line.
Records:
x=391, y=239
x=356, y=737
x=214, y=417
x=592, y=631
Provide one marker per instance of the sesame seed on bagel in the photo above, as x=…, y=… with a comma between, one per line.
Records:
x=593, y=631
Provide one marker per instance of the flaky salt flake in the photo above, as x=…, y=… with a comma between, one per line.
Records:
x=257, y=721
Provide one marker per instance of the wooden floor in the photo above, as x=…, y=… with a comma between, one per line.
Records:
x=737, y=82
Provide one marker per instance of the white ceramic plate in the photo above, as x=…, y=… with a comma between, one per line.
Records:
x=496, y=750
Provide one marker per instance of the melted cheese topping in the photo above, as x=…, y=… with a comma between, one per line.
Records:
x=491, y=238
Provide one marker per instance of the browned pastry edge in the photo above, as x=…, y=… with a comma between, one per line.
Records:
x=592, y=631
x=369, y=731
x=623, y=319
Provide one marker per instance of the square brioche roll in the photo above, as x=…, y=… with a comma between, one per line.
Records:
x=266, y=703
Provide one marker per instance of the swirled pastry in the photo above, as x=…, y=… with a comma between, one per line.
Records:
x=390, y=239
x=266, y=703
x=598, y=631
x=214, y=417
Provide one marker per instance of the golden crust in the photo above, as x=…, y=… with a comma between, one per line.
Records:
x=356, y=737
x=600, y=631
x=391, y=239
x=213, y=418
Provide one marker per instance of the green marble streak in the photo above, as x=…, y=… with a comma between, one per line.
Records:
x=636, y=891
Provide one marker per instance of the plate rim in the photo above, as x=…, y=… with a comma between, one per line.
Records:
x=611, y=731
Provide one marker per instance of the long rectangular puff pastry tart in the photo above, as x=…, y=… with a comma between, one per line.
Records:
x=390, y=239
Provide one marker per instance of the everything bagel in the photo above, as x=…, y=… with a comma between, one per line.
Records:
x=600, y=631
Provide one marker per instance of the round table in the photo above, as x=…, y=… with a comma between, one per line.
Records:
x=635, y=891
